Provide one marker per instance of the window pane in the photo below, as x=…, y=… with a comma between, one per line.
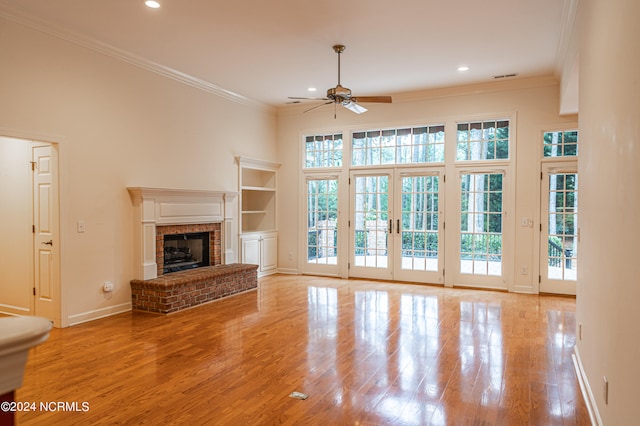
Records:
x=420, y=223
x=481, y=224
x=562, y=229
x=487, y=140
x=323, y=151
x=322, y=214
x=371, y=217
x=398, y=146
x=560, y=144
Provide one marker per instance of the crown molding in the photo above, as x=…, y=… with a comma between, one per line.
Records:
x=122, y=55
x=503, y=85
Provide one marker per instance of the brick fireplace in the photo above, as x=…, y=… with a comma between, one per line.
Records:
x=162, y=212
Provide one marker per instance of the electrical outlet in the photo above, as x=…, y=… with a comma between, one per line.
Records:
x=523, y=270
x=290, y=255
x=107, y=286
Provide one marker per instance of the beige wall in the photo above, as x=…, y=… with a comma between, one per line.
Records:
x=117, y=125
x=609, y=284
x=534, y=104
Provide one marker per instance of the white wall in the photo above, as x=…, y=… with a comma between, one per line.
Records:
x=609, y=284
x=117, y=125
x=534, y=103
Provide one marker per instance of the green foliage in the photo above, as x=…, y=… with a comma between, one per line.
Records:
x=419, y=244
x=481, y=246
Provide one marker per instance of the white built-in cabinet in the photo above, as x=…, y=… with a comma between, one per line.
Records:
x=261, y=248
x=258, y=225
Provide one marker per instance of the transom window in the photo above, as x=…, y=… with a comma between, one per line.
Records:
x=323, y=151
x=561, y=144
x=483, y=140
x=398, y=146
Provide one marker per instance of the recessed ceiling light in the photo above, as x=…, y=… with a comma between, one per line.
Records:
x=152, y=4
x=463, y=68
x=312, y=89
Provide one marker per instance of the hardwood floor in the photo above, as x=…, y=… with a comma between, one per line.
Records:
x=366, y=353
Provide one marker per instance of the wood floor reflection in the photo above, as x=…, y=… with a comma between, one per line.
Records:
x=366, y=353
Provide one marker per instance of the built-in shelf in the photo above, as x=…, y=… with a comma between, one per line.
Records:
x=258, y=236
x=257, y=181
x=257, y=188
x=258, y=174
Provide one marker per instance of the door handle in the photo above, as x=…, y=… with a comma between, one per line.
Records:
x=398, y=226
x=48, y=243
x=390, y=226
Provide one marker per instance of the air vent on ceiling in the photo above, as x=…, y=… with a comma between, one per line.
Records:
x=505, y=75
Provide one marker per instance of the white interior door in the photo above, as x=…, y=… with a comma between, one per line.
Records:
x=45, y=227
x=559, y=229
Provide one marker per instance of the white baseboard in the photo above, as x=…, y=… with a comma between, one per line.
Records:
x=14, y=310
x=99, y=313
x=288, y=271
x=587, y=393
x=524, y=289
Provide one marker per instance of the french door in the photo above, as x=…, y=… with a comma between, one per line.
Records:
x=559, y=228
x=322, y=230
x=395, y=227
x=482, y=216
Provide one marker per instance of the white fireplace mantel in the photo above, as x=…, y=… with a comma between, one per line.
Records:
x=164, y=206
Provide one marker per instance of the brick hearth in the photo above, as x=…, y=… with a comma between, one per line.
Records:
x=180, y=290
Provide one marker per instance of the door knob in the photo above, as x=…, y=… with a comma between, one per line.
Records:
x=49, y=243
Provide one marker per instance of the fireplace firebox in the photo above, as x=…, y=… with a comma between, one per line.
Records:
x=184, y=247
x=185, y=251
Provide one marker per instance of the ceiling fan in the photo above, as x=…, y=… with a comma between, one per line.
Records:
x=342, y=95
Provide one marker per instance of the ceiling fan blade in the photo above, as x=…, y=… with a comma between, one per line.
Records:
x=318, y=106
x=352, y=106
x=377, y=99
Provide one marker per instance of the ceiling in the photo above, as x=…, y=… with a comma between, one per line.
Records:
x=268, y=50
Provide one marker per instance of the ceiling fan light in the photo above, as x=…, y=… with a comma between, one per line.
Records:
x=352, y=106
